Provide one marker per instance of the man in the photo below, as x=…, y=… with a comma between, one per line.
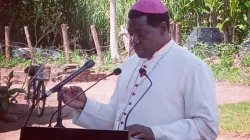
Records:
x=181, y=103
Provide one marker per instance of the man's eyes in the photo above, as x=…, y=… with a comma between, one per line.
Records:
x=139, y=34
x=142, y=35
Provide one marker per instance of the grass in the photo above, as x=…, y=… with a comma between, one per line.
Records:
x=235, y=117
x=14, y=62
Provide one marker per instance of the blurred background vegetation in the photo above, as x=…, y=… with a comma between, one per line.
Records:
x=44, y=19
x=231, y=16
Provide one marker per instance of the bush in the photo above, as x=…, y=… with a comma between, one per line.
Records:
x=246, y=59
x=226, y=61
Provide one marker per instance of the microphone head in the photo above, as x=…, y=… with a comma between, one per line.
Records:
x=117, y=71
x=142, y=71
x=90, y=63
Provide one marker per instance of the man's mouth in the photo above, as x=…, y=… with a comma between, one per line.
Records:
x=138, y=49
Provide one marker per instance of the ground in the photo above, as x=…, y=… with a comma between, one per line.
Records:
x=226, y=93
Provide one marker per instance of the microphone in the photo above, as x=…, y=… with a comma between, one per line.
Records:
x=117, y=71
x=143, y=72
x=90, y=63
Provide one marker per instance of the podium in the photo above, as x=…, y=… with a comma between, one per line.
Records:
x=52, y=133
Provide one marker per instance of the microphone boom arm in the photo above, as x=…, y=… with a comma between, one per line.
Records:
x=143, y=72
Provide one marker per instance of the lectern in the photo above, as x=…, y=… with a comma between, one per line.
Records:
x=53, y=133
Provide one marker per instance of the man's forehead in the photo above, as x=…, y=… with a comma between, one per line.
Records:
x=140, y=21
x=138, y=28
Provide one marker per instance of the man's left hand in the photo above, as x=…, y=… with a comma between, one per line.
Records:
x=140, y=132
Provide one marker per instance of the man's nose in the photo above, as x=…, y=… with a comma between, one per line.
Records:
x=134, y=40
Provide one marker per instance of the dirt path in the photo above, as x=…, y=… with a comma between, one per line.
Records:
x=226, y=93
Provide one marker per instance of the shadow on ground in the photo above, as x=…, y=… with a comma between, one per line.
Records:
x=22, y=112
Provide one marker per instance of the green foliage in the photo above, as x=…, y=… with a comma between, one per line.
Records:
x=44, y=18
x=226, y=49
x=108, y=65
x=6, y=92
x=221, y=59
x=231, y=74
x=226, y=61
x=77, y=57
x=246, y=59
x=201, y=50
x=19, y=62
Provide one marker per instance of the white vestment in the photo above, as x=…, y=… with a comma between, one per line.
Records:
x=180, y=105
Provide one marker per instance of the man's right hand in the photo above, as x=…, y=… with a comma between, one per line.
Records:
x=70, y=93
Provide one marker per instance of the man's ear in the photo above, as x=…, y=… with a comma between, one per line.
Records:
x=163, y=28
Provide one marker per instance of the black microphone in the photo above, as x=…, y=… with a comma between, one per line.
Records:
x=117, y=71
x=143, y=72
x=90, y=63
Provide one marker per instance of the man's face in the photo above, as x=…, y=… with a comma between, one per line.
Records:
x=143, y=38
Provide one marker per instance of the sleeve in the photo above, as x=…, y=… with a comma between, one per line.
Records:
x=96, y=115
x=201, y=110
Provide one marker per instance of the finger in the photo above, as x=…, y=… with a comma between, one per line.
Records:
x=134, y=130
x=66, y=98
x=140, y=136
x=135, y=126
x=76, y=91
x=65, y=89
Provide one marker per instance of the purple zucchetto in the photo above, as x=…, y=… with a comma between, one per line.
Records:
x=150, y=6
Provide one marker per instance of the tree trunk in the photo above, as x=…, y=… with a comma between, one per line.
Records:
x=226, y=35
x=7, y=43
x=227, y=28
x=198, y=20
x=178, y=33
x=66, y=43
x=113, y=32
x=97, y=44
x=173, y=30
x=212, y=19
x=29, y=44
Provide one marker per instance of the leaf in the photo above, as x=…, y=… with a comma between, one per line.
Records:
x=11, y=75
x=247, y=4
x=3, y=89
x=219, y=25
x=242, y=27
x=4, y=105
x=244, y=17
x=15, y=90
x=9, y=84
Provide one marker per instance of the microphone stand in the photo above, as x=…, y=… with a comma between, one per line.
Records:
x=115, y=72
x=59, y=116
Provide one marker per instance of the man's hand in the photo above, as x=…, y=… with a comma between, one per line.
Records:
x=70, y=93
x=140, y=132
